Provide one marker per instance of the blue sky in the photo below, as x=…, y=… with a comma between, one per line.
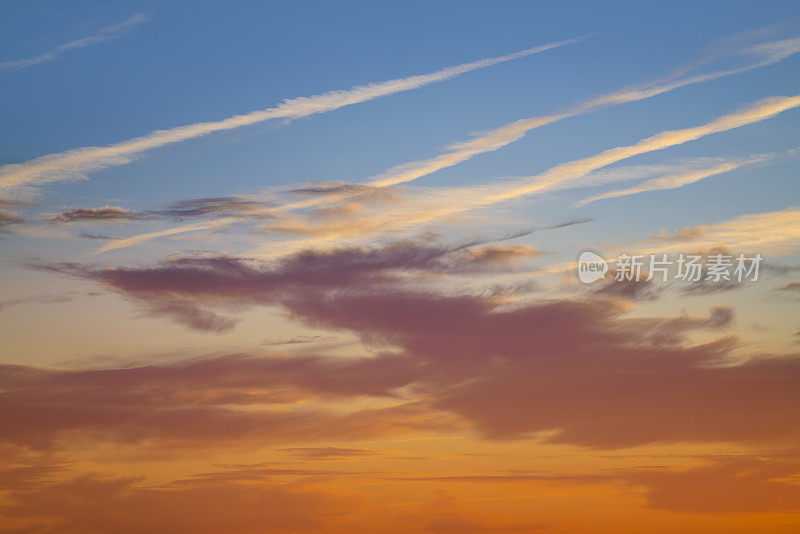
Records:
x=241, y=238
x=194, y=62
x=184, y=62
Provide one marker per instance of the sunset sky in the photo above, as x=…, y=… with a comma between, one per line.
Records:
x=313, y=267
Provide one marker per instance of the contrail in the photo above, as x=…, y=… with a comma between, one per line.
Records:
x=756, y=112
x=673, y=181
x=767, y=53
x=451, y=201
x=109, y=33
x=458, y=200
x=77, y=163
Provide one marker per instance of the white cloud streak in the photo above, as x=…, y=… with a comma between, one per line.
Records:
x=775, y=232
x=78, y=163
x=109, y=33
x=449, y=202
x=568, y=172
x=680, y=179
x=765, y=54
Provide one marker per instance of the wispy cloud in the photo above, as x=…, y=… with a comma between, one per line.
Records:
x=447, y=202
x=77, y=163
x=767, y=54
x=764, y=54
x=756, y=112
x=37, y=299
x=9, y=218
x=773, y=232
x=776, y=232
x=104, y=214
x=44, y=298
x=213, y=207
x=673, y=181
x=109, y=33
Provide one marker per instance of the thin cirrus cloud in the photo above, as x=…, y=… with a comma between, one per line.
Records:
x=765, y=53
x=569, y=172
x=690, y=175
x=77, y=163
x=201, y=207
x=775, y=232
x=104, y=214
x=109, y=33
x=451, y=201
x=426, y=208
x=676, y=180
x=35, y=299
x=214, y=207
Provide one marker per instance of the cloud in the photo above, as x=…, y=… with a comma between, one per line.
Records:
x=216, y=207
x=704, y=287
x=634, y=290
x=773, y=233
x=486, y=142
x=109, y=33
x=770, y=232
x=498, y=254
x=570, y=371
x=235, y=206
x=102, y=237
x=628, y=173
x=326, y=453
x=445, y=514
x=175, y=288
x=725, y=484
x=298, y=340
x=223, y=402
x=720, y=484
x=791, y=286
x=78, y=163
x=102, y=215
x=94, y=504
x=38, y=299
x=574, y=170
x=579, y=372
x=673, y=181
x=9, y=218
x=448, y=202
x=48, y=498
x=189, y=315
x=495, y=139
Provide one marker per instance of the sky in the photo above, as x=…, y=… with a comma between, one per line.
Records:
x=321, y=267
